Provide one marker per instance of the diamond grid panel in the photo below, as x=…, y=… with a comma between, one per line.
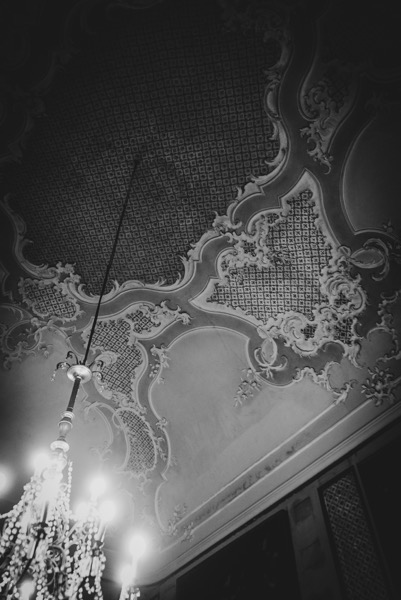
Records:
x=178, y=90
x=48, y=300
x=142, y=455
x=289, y=284
x=114, y=336
x=353, y=541
x=140, y=322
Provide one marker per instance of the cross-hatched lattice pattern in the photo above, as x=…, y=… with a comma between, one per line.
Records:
x=140, y=321
x=354, y=545
x=142, y=449
x=343, y=331
x=114, y=336
x=46, y=300
x=299, y=251
x=173, y=87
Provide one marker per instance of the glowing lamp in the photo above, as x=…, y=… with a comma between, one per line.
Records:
x=138, y=545
x=26, y=589
x=50, y=489
x=40, y=461
x=127, y=575
x=97, y=487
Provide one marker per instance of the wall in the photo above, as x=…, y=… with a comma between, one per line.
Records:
x=342, y=527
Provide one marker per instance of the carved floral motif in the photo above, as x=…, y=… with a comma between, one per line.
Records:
x=179, y=512
x=381, y=385
x=249, y=385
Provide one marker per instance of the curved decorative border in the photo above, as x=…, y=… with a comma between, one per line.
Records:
x=344, y=297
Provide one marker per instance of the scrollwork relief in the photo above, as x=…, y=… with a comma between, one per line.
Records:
x=380, y=387
x=143, y=446
x=322, y=378
x=388, y=311
x=123, y=358
x=161, y=362
x=22, y=335
x=325, y=104
x=374, y=254
x=179, y=512
x=51, y=297
x=286, y=276
x=118, y=338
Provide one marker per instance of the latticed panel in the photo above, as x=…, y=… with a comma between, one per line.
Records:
x=291, y=282
x=174, y=88
x=47, y=300
x=140, y=322
x=354, y=545
x=114, y=336
x=142, y=450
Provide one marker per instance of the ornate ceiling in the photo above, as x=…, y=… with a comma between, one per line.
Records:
x=250, y=328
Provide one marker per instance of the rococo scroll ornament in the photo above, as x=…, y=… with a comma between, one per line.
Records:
x=119, y=338
x=286, y=275
x=325, y=104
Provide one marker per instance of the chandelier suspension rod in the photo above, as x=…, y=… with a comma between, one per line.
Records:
x=113, y=251
x=81, y=372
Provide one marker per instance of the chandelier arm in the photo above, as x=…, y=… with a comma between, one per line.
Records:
x=113, y=251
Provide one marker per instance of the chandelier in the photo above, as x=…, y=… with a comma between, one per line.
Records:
x=48, y=552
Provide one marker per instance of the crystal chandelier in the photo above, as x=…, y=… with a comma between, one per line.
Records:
x=46, y=551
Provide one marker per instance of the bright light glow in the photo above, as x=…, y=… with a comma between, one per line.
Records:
x=5, y=480
x=40, y=461
x=82, y=511
x=50, y=488
x=97, y=487
x=26, y=589
x=107, y=511
x=127, y=574
x=138, y=545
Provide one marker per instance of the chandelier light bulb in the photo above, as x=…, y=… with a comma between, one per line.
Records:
x=40, y=461
x=26, y=589
x=138, y=545
x=127, y=574
x=50, y=489
x=97, y=487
